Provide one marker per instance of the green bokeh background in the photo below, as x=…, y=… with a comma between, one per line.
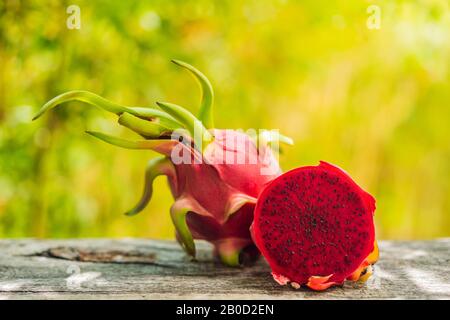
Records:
x=374, y=102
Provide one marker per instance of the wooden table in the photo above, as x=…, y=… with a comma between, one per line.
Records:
x=150, y=269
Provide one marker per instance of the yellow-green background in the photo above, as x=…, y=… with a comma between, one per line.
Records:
x=374, y=102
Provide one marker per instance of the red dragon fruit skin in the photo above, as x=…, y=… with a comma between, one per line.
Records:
x=214, y=198
x=314, y=225
x=221, y=196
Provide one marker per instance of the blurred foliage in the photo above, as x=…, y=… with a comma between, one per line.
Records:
x=374, y=102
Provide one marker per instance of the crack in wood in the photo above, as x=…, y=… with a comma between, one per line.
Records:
x=98, y=255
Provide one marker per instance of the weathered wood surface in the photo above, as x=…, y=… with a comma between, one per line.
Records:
x=149, y=269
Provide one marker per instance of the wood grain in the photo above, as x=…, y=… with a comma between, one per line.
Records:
x=150, y=269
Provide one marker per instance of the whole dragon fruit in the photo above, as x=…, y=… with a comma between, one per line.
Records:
x=215, y=175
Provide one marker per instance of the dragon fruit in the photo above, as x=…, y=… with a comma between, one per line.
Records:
x=215, y=175
x=314, y=225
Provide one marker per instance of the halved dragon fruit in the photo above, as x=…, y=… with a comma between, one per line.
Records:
x=314, y=225
x=214, y=175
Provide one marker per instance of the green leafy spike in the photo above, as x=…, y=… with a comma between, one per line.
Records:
x=146, y=128
x=178, y=214
x=266, y=137
x=130, y=144
x=206, y=112
x=195, y=128
x=155, y=115
x=96, y=100
x=155, y=167
x=84, y=96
